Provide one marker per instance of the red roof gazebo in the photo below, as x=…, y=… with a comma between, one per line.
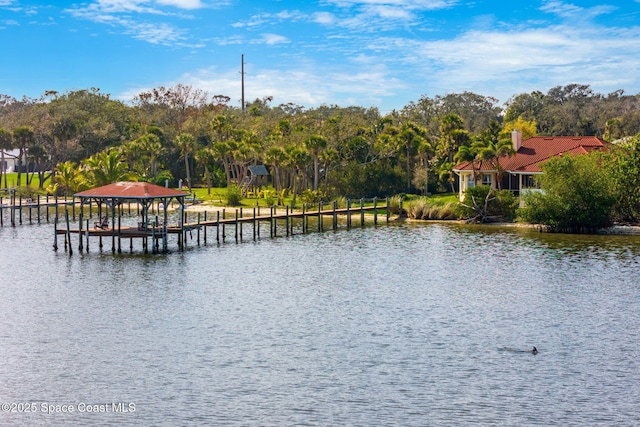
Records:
x=143, y=193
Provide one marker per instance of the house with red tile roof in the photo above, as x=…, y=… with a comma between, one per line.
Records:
x=517, y=173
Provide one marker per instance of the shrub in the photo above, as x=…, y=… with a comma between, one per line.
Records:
x=233, y=196
x=162, y=176
x=28, y=192
x=425, y=209
x=270, y=197
x=395, y=204
x=578, y=195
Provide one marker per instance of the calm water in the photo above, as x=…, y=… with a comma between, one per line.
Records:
x=396, y=325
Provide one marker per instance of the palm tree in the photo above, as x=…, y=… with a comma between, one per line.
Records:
x=276, y=156
x=151, y=146
x=36, y=155
x=328, y=157
x=222, y=127
x=68, y=177
x=315, y=143
x=296, y=161
x=222, y=151
x=425, y=151
x=492, y=153
x=106, y=167
x=187, y=144
x=468, y=153
x=204, y=157
x=452, y=135
x=410, y=138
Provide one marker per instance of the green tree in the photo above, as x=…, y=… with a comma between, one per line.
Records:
x=204, y=157
x=6, y=143
x=578, y=194
x=452, y=136
x=624, y=161
x=526, y=105
x=37, y=155
x=105, y=168
x=23, y=138
x=69, y=178
x=150, y=149
x=528, y=128
x=276, y=157
x=468, y=153
x=187, y=144
x=492, y=152
x=315, y=143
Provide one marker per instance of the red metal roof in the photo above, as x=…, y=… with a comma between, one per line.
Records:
x=131, y=190
x=536, y=150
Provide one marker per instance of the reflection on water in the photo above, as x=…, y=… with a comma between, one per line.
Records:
x=403, y=324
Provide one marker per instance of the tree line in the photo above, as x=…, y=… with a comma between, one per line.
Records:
x=84, y=138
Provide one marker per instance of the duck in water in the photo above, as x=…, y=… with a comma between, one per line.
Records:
x=534, y=350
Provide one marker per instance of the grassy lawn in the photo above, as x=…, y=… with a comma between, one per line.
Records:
x=218, y=197
x=12, y=180
x=443, y=199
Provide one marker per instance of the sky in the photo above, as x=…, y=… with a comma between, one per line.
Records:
x=367, y=53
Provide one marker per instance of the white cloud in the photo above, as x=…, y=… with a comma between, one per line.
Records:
x=120, y=14
x=308, y=85
x=272, y=39
x=326, y=18
x=114, y=6
x=390, y=12
x=266, y=19
x=494, y=58
x=571, y=11
x=155, y=33
x=410, y=4
x=182, y=4
x=542, y=57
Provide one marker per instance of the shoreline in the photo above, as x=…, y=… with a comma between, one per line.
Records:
x=614, y=230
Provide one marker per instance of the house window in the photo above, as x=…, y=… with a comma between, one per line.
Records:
x=487, y=179
x=529, y=181
x=470, y=181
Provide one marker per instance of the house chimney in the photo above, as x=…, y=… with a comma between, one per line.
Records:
x=516, y=138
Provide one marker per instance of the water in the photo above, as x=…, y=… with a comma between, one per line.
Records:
x=395, y=325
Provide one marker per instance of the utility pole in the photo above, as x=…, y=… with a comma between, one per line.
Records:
x=242, y=73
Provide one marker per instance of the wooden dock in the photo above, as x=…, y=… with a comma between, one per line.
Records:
x=154, y=236
x=33, y=210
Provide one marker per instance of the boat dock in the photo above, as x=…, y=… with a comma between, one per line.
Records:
x=225, y=224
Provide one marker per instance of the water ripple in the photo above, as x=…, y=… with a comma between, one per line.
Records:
x=395, y=325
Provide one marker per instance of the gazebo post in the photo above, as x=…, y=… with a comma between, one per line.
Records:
x=81, y=217
x=119, y=229
x=113, y=225
x=165, y=202
x=181, y=234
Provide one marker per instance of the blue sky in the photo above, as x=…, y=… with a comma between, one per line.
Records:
x=369, y=53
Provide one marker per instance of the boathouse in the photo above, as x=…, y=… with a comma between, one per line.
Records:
x=111, y=197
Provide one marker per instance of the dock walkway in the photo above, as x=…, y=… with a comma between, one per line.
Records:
x=157, y=232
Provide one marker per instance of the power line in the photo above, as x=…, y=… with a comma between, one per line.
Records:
x=242, y=73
